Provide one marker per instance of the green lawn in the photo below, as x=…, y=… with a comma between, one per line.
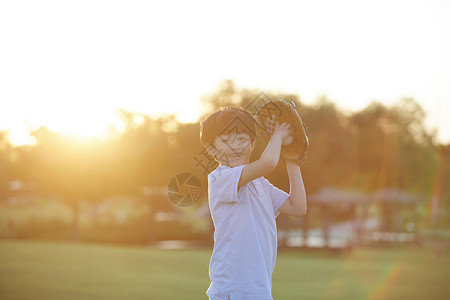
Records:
x=49, y=270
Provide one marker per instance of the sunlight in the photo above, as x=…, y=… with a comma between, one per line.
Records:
x=99, y=122
x=188, y=114
x=19, y=135
x=77, y=124
x=71, y=78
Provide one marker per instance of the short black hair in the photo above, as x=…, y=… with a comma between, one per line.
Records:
x=227, y=120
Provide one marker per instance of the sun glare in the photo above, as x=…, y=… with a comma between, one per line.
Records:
x=20, y=136
x=78, y=125
x=71, y=78
x=189, y=114
x=99, y=122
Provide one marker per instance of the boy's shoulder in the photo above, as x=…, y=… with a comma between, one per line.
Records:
x=224, y=171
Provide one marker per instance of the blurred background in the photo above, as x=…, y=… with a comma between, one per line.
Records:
x=100, y=104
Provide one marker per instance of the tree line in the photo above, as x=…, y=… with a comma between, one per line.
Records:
x=368, y=150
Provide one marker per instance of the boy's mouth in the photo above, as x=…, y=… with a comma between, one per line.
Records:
x=235, y=155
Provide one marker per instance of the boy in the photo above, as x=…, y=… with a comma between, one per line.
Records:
x=244, y=204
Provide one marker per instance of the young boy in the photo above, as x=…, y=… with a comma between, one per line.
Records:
x=244, y=205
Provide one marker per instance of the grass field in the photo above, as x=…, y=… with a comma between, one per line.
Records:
x=49, y=270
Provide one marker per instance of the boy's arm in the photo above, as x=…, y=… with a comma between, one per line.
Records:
x=269, y=158
x=295, y=205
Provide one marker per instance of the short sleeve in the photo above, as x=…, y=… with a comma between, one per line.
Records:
x=276, y=195
x=223, y=184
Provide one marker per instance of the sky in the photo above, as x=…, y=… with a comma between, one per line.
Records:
x=69, y=65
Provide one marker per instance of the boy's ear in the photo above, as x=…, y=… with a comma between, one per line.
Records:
x=211, y=149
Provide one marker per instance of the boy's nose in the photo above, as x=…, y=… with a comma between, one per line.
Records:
x=235, y=147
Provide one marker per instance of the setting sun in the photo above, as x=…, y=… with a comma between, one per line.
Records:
x=76, y=123
x=71, y=76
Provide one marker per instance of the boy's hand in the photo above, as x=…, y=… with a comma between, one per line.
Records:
x=283, y=131
x=280, y=111
x=269, y=158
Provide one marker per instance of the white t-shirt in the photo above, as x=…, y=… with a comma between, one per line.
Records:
x=245, y=237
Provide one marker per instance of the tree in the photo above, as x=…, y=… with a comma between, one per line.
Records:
x=395, y=148
x=6, y=161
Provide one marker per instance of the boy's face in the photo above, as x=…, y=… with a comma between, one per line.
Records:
x=233, y=149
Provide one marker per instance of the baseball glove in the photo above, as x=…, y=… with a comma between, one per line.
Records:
x=281, y=111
